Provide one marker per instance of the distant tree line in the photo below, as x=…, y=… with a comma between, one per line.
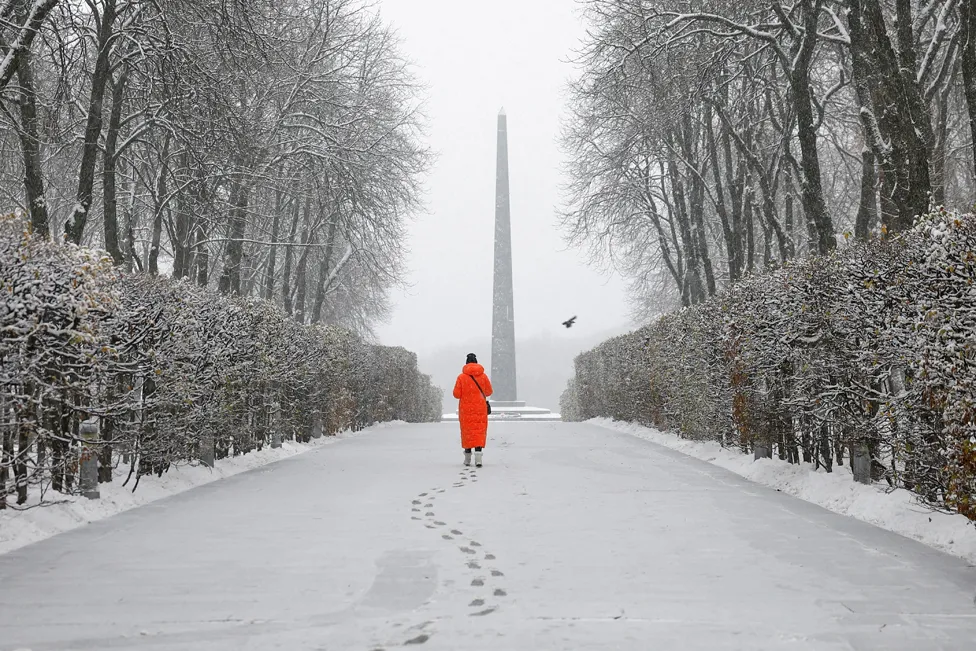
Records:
x=711, y=139
x=167, y=372
x=864, y=356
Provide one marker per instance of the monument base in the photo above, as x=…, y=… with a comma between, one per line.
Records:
x=513, y=410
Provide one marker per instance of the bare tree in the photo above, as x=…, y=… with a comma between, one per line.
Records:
x=760, y=131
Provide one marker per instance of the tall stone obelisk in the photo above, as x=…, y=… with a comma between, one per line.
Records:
x=503, y=311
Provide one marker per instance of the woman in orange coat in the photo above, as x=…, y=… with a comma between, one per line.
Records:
x=472, y=390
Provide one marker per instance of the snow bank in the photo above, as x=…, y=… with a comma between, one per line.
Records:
x=896, y=511
x=20, y=528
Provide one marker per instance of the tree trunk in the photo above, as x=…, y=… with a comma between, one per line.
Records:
x=702, y=248
x=766, y=184
x=814, y=206
x=183, y=231
x=75, y=228
x=301, y=286
x=160, y=203
x=667, y=239
x=675, y=258
x=921, y=137
x=824, y=448
x=735, y=179
x=105, y=451
x=286, y=288
x=322, y=287
x=57, y=451
x=748, y=221
x=693, y=289
x=269, y=274
x=6, y=462
x=202, y=256
x=182, y=245
x=129, y=230
x=789, y=215
x=940, y=152
x=109, y=196
x=31, y=145
x=867, y=211
x=968, y=19
x=731, y=243
x=230, y=279
x=696, y=201
x=898, y=126
x=20, y=463
x=106, y=433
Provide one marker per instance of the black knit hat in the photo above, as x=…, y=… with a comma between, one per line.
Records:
x=472, y=359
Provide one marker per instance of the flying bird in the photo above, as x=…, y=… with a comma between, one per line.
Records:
x=570, y=322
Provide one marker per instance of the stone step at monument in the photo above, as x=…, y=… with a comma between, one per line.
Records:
x=513, y=410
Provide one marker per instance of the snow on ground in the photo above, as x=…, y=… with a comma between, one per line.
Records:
x=896, y=511
x=20, y=528
x=570, y=537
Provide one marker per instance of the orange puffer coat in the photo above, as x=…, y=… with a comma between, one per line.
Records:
x=472, y=411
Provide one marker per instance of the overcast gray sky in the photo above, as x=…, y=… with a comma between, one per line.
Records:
x=477, y=57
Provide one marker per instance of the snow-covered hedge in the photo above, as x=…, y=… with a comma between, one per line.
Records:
x=170, y=371
x=865, y=357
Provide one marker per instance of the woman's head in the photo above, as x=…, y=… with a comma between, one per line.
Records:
x=472, y=359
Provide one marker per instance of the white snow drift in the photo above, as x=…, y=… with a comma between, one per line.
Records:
x=19, y=528
x=896, y=510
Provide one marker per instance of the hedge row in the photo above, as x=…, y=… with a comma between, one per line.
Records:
x=170, y=372
x=865, y=357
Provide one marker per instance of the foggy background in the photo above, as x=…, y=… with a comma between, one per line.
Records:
x=477, y=57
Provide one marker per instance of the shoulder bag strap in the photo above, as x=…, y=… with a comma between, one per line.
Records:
x=479, y=387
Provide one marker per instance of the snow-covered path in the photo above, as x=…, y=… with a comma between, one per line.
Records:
x=571, y=537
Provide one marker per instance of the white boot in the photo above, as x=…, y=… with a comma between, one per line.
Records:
x=467, y=458
x=477, y=459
